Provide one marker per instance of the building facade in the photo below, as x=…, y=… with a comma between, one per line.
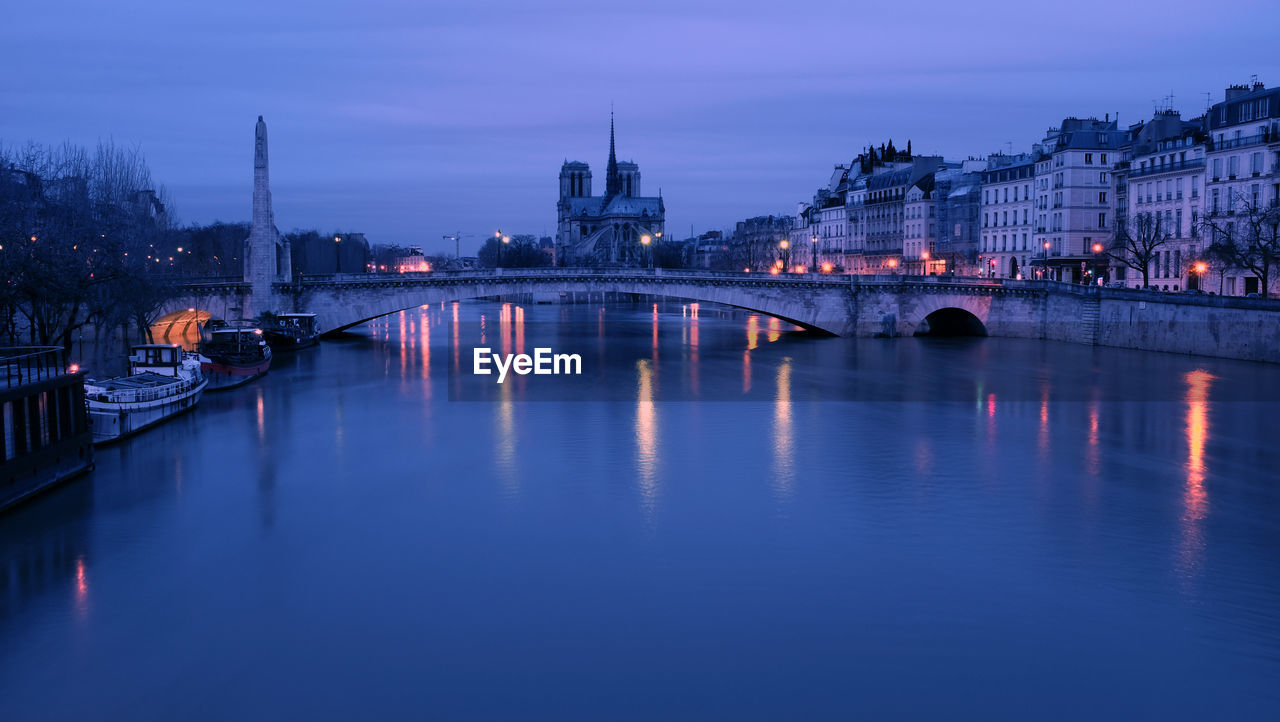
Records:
x=1075, y=208
x=606, y=230
x=1008, y=216
x=1163, y=180
x=1243, y=170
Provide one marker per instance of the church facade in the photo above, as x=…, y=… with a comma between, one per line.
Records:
x=606, y=230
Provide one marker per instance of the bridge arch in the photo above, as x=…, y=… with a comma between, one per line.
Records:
x=819, y=306
x=464, y=297
x=949, y=314
x=951, y=321
x=181, y=326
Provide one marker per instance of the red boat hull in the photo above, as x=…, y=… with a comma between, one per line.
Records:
x=225, y=375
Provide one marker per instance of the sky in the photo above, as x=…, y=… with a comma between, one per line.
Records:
x=411, y=120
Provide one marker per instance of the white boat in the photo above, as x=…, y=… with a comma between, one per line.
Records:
x=163, y=381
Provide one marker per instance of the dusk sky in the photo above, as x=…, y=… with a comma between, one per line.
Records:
x=410, y=120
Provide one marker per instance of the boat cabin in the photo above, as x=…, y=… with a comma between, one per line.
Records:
x=236, y=337
x=157, y=358
x=303, y=323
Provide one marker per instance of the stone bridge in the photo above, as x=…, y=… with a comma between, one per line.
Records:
x=841, y=305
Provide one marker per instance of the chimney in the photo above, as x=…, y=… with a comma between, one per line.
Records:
x=1235, y=91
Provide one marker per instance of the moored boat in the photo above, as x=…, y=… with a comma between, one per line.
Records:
x=291, y=331
x=234, y=356
x=163, y=381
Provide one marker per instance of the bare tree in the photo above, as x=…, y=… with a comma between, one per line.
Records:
x=1246, y=237
x=1138, y=242
x=80, y=235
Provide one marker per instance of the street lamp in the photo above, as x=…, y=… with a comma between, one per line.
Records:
x=337, y=255
x=814, y=240
x=785, y=245
x=645, y=240
x=924, y=258
x=1198, y=269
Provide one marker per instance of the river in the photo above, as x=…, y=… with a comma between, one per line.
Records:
x=723, y=517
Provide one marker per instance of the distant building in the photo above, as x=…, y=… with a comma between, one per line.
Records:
x=885, y=210
x=959, y=204
x=605, y=230
x=920, y=232
x=1008, y=216
x=757, y=243
x=1075, y=209
x=1243, y=158
x=1162, y=179
x=710, y=251
x=415, y=261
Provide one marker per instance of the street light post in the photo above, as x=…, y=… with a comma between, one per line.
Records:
x=1097, y=261
x=645, y=240
x=785, y=245
x=814, y=240
x=337, y=255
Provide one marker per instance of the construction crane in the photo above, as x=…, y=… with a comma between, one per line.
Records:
x=456, y=237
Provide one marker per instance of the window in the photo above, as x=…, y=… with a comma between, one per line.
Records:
x=1179, y=188
x=1102, y=178
x=1217, y=168
x=1195, y=186
x=1233, y=166
x=1102, y=196
x=1088, y=158
x=1103, y=158
x=1255, y=164
x=1102, y=220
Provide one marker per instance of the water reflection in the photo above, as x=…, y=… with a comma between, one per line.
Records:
x=82, y=589
x=783, y=434
x=646, y=433
x=961, y=522
x=1195, y=499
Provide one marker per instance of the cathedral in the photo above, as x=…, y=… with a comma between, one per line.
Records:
x=606, y=230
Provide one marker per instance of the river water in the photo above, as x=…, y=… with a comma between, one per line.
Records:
x=755, y=523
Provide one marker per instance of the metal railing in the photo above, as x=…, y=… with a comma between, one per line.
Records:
x=30, y=364
x=1167, y=168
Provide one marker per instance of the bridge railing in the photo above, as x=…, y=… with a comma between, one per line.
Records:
x=826, y=279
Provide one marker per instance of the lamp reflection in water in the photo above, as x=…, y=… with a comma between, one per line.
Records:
x=753, y=341
x=646, y=437
x=775, y=329
x=693, y=351
x=1195, y=498
x=1093, y=455
x=404, y=340
x=424, y=348
x=1042, y=439
x=783, y=433
x=505, y=441
x=82, y=589
x=261, y=416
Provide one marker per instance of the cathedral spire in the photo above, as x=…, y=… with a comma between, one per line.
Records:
x=612, y=183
